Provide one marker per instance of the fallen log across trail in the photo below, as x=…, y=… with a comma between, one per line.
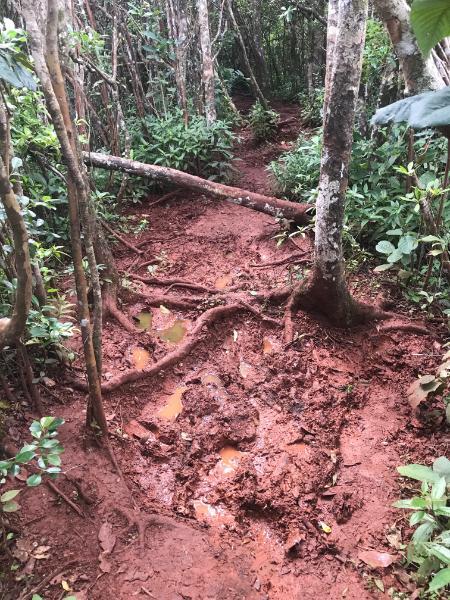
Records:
x=275, y=207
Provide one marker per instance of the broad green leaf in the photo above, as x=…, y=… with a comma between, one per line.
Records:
x=10, y=506
x=34, y=480
x=430, y=109
x=7, y=496
x=46, y=422
x=440, y=552
x=385, y=247
x=416, y=517
x=24, y=457
x=419, y=472
x=395, y=256
x=14, y=73
x=440, y=580
x=407, y=244
x=438, y=489
x=423, y=532
x=430, y=20
x=429, y=239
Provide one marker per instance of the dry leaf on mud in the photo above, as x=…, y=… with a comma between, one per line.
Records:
x=106, y=538
x=104, y=565
x=419, y=389
x=375, y=559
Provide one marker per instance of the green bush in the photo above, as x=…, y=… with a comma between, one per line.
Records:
x=311, y=106
x=198, y=148
x=263, y=122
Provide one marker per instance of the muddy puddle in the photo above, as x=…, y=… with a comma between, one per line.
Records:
x=173, y=406
x=141, y=358
x=175, y=333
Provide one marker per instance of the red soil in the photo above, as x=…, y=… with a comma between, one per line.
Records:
x=280, y=468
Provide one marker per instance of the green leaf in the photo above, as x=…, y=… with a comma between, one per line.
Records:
x=438, y=489
x=7, y=496
x=14, y=73
x=412, y=503
x=36, y=597
x=34, y=480
x=440, y=580
x=419, y=472
x=395, y=256
x=440, y=552
x=24, y=457
x=430, y=109
x=407, y=244
x=416, y=517
x=385, y=247
x=430, y=20
x=423, y=532
x=10, y=507
x=442, y=466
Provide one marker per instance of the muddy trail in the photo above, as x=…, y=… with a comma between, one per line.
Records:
x=258, y=471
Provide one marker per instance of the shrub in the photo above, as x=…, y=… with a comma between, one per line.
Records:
x=263, y=122
x=197, y=148
x=311, y=106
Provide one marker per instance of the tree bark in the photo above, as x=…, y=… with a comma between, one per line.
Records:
x=207, y=62
x=48, y=71
x=420, y=74
x=266, y=204
x=328, y=291
x=178, y=31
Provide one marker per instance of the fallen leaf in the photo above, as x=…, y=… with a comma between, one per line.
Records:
x=324, y=527
x=379, y=584
x=164, y=310
x=41, y=552
x=106, y=538
x=104, y=565
x=375, y=559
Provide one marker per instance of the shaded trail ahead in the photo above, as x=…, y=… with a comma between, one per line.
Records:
x=264, y=470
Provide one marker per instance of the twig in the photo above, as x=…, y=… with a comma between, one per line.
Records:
x=120, y=238
x=63, y=496
x=147, y=592
x=29, y=594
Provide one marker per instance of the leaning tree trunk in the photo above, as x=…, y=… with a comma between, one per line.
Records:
x=298, y=213
x=48, y=70
x=420, y=74
x=207, y=62
x=327, y=291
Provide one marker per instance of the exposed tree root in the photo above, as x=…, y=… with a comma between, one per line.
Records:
x=170, y=301
x=121, y=239
x=66, y=499
x=110, y=308
x=297, y=257
x=173, y=282
x=172, y=358
x=406, y=327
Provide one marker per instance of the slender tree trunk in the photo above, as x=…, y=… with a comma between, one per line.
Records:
x=253, y=83
x=207, y=62
x=420, y=74
x=178, y=31
x=47, y=67
x=328, y=291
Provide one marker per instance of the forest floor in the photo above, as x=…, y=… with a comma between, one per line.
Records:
x=261, y=471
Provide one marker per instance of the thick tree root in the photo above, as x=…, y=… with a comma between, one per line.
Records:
x=172, y=358
x=406, y=327
x=110, y=308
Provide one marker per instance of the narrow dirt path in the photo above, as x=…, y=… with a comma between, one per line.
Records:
x=261, y=471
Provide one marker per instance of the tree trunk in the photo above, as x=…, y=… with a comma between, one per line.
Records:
x=420, y=73
x=46, y=63
x=207, y=62
x=178, y=31
x=266, y=204
x=328, y=290
x=253, y=83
